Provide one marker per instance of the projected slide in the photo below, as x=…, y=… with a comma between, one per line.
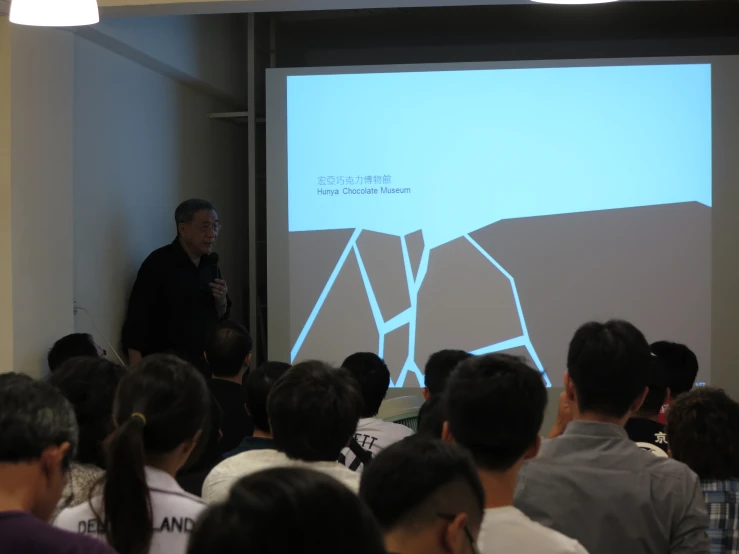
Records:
x=496, y=210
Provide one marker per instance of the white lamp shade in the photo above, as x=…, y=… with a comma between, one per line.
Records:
x=54, y=13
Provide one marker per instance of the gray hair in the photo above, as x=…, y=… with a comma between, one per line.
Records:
x=33, y=416
x=186, y=211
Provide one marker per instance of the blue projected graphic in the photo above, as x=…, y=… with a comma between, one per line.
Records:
x=414, y=163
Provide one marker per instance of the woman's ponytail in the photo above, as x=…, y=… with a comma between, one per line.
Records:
x=126, y=501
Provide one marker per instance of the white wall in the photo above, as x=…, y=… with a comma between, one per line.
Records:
x=142, y=144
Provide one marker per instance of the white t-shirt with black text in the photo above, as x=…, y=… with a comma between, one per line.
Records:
x=374, y=435
x=174, y=513
x=508, y=529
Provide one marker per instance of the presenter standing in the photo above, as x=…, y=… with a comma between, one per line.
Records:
x=179, y=294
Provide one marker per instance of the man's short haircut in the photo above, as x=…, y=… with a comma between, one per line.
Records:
x=373, y=377
x=33, y=417
x=702, y=432
x=431, y=417
x=255, y=388
x=313, y=411
x=412, y=481
x=657, y=383
x=90, y=385
x=681, y=364
x=71, y=346
x=227, y=347
x=495, y=407
x=440, y=366
x=287, y=510
x=186, y=211
x=609, y=366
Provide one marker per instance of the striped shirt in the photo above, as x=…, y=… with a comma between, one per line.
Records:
x=722, y=503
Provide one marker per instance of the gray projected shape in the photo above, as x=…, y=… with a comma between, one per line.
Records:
x=396, y=351
x=648, y=265
x=411, y=381
x=382, y=256
x=345, y=320
x=415, y=243
x=313, y=256
x=464, y=302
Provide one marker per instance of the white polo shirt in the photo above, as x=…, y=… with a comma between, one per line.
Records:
x=218, y=484
x=374, y=435
x=174, y=512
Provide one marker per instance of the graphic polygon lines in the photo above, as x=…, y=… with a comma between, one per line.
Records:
x=415, y=243
x=314, y=255
x=382, y=257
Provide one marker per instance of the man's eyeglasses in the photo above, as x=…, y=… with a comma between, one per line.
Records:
x=467, y=532
x=205, y=227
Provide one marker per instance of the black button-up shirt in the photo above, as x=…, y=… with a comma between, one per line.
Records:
x=172, y=308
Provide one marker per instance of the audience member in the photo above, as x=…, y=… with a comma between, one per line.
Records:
x=160, y=409
x=39, y=437
x=256, y=386
x=703, y=430
x=287, y=510
x=495, y=407
x=90, y=385
x=372, y=434
x=438, y=369
x=682, y=369
x=593, y=483
x=644, y=427
x=73, y=346
x=431, y=417
x=313, y=412
x=426, y=496
x=228, y=353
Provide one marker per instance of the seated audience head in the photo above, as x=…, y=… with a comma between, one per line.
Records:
x=373, y=377
x=287, y=510
x=702, y=432
x=438, y=369
x=313, y=411
x=607, y=370
x=39, y=438
x=256, y=386
x=72, y=346
x=228, y=350
x=658, y=393
x=431, y=417
x=426, y=495
x=681, y=365
x=160, y=409
x=90, y=385
x=495, y=407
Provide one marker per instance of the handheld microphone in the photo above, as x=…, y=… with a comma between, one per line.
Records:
x=213, y=258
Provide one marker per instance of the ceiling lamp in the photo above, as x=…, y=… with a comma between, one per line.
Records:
x=573, y=2
x=54, y=13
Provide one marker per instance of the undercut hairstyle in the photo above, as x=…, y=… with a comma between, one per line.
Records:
x=703, y=432
x=681, y=365
x=186, y=211
x=288, y=510
x=256, y=386
x=90, y=385
x=431, y=417
x=227, y=347
x=313, y=411
x=657, y=383
x=412, y=481
x=33, y=417
x=495, y=407
x=609, y=365
x=373, y=377
x=160, y=403
x=440, y=366
x=71, y=346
